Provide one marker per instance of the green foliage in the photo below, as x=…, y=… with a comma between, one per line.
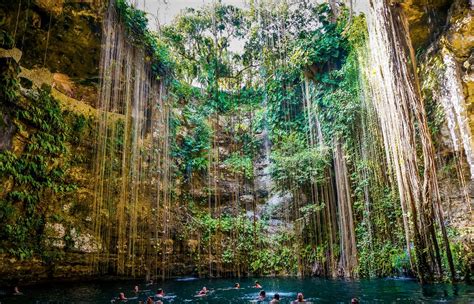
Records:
x=294, y=164
x=277, y=255
x=241, y=165
x=322, y=47
x=268, y=83
x=462, y=255
x=238, y=240
x=6, y=40
x=32, y=178
x=201, y=39
x=157, y=51
x=285, y=103
x=191, y=150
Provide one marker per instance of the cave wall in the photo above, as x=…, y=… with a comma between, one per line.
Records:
x=442, y=33
x=57, y=43
x=55, y=47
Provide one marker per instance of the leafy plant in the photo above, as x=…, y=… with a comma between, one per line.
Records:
x=33, y=177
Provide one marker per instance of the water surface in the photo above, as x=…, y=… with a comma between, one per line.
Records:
x=184, y=290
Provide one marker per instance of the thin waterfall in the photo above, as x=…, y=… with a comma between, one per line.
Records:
x=132, y=162
x=452, y=100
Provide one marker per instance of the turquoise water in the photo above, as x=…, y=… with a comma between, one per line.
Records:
x=184, y=290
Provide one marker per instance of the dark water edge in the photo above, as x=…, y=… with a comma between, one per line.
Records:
x=183, y=290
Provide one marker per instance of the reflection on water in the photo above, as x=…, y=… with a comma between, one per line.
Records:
x=221, y=291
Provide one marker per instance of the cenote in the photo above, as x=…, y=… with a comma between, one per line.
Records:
x=315, y=291
x=324, y=146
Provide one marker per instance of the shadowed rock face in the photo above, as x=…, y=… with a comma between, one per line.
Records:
x=453, y=40
x=426, y=19
x=7, y=129
x=61, y=35
x=446, y=24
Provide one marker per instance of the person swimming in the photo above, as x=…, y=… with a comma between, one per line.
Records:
x=354, y=301
x=136, y=289
x=236, y=286
x=16, y=291
x=257, y=285
x=149, y=300
x=122, y=297
x=262, y=295
x=299, y=298
x=160, y=293
x=203, y=291
x=276, y=299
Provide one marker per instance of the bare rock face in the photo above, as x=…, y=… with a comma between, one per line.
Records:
x=53, y=6
x=246, y=199
x=459, y=37
x=84, y=242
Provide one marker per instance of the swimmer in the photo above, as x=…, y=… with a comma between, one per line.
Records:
x=150, y=282
x=160, y=293
x=16, y=291
x=236, y=286
x=122, y=296
x=257, y=285
x=355, y=301
x=149, y=300
x=136, y=289
x=203, y=291
x=276, y=299
x=299, y=298
x=262, y=295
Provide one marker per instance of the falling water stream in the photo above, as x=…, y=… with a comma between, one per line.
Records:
x=132, y=162
x=452, y=100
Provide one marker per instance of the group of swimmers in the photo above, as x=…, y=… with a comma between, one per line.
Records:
x=262, y=296
x=160, y=294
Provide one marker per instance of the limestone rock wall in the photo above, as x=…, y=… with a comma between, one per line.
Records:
x=446, y=73
x=57, y=44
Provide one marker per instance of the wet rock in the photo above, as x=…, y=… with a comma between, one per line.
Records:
x=11, y=53
x=84, y=242
x=425, y=18
x=7, y=130
x=51, y=6
x=246, y=199
x=54, y=235
x=62, y=36
x=38, y=77
x=460, y=36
